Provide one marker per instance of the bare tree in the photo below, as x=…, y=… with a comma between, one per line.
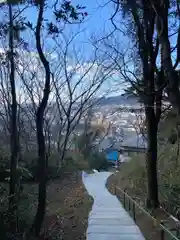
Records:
x=164, y=10
x=40, y=126
x=75, y=85
x=149, y=83
x=9, y=31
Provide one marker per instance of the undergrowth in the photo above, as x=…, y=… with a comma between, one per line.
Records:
x=132, y=178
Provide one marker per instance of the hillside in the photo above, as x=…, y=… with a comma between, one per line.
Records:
x=118, y=100
x=133, y=176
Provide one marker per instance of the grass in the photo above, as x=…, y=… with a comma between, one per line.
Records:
x=68, y=206
x=132, y=178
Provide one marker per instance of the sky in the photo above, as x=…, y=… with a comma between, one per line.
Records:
x=98, y=15
x=97, y=24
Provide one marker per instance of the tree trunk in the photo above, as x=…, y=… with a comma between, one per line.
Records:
x=63, y=153
x=152, y=128
x=144, y=19
x=170, y=73
x=41, y=175
x=42, y=161
x=14, y=134
x=152, y=200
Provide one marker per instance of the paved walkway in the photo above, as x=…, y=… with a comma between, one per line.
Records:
x=108, y=220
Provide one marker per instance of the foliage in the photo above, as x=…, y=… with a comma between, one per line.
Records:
x=97, y=161
x=133, y=175
x=88, y=148
x=133, y=178
x=150, y=24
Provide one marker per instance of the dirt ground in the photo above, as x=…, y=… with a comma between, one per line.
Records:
x=68, y=207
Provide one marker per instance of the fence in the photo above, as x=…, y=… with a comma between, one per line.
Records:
x=132, y=205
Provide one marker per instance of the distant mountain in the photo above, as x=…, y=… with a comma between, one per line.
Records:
x=124, y=99
x=128, y=95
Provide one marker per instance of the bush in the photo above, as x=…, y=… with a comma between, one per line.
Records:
x=73, y=162
x=132, y=177
x=97, y=161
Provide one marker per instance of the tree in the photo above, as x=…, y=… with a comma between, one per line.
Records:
x=163, y=11
x=75, y=86
x=14, y=133
x=40, y=127
x=88, y=142
x=39, y=87
x=11, y=30
x=66, y=12
x=149, y=83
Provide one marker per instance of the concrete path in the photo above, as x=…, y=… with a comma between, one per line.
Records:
x=108, y=220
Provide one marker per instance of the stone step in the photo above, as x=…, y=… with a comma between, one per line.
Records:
x=110, y=208
x=106, y=205
x=97, y=236
x=99, y=211
x=133, y=229
x=119, y=218
x=108, y=202
x=120, y=215
x=109, y=221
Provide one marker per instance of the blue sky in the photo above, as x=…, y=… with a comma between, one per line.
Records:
x=97, y=24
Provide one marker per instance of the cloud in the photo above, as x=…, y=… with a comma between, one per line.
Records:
x=83, y=78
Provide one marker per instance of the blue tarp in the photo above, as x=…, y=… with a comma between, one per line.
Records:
x=112, y=156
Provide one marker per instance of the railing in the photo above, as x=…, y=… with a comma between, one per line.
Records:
x=132, y=205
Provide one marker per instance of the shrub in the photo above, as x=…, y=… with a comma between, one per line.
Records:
x=97, y=161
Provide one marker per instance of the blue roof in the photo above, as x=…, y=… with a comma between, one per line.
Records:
x=112, y=156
